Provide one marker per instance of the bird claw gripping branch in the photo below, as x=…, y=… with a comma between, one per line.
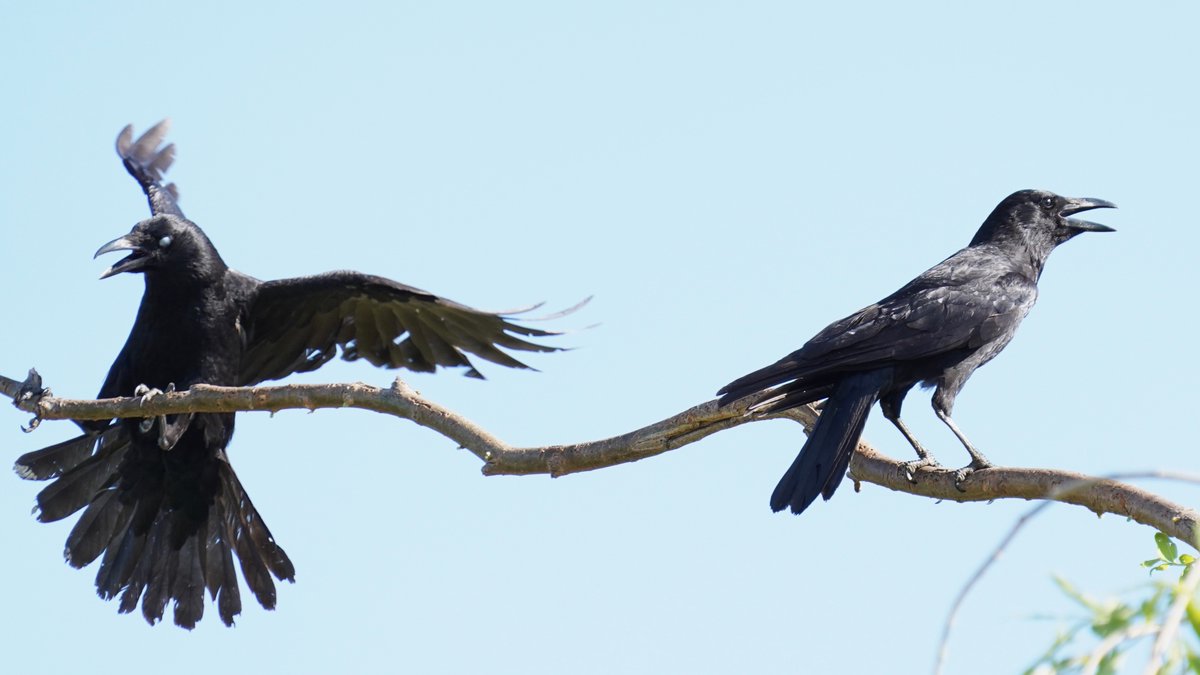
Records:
x=28, y=396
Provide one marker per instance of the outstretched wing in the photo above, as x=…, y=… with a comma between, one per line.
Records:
x=147, y=163
x=297, y=325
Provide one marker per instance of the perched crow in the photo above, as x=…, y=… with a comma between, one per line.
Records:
x=164, y=506
x=936, y=330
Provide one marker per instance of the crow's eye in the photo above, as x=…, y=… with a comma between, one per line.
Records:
x=164, y=242
x=1048, y=203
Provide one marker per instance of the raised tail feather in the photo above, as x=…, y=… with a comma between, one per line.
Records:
x=823, y=460
x=159, y=541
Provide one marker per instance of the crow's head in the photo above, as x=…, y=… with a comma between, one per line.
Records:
x=165, y=245
x=1039, y=220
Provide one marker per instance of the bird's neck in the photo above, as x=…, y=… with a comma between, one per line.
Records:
x=1029, y=257
x=181, y=288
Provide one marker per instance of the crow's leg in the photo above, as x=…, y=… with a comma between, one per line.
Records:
x=978, y=461
x=890, y=405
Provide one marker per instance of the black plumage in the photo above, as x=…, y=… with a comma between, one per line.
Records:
x=936, y=330
x=162, y=508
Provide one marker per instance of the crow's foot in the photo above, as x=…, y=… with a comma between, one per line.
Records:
x=168, y=434
x=146, y=393
x=961, y=475
x=910, y=468
x=28, y=395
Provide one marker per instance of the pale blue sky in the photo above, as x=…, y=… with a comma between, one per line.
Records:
x=726, y=178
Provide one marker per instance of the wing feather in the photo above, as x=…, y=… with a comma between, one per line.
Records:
x=147, y=163
x=917, y=322
x=297, y=325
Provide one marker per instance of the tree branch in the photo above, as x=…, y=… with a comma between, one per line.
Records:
x=952, y=615
x=868, y=465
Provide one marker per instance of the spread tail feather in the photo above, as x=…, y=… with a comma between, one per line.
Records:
x=246, y=534
x=823, y=460
x=165, y=526
x=55, y=460
x=80, y=477
x=176, y=559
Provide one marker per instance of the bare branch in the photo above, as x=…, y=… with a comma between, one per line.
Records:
x=869, y=465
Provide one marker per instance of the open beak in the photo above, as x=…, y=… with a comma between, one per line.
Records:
x=133, y=262
x=1081, y=204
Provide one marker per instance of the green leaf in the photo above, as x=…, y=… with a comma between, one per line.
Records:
x=1193, y=616
x=1186, y=559
x=1108, y=664
x=1112, y=618
x=1071, y=592
x=1166, y=547
x=1149, y=608
x=1151, y=562
x=1160, y=567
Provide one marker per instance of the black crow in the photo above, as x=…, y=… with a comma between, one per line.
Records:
x=936, y=330
x=163, y=505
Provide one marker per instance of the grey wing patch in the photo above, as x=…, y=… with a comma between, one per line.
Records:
x=930, y=313
x=991, y=328
x=147, y=163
